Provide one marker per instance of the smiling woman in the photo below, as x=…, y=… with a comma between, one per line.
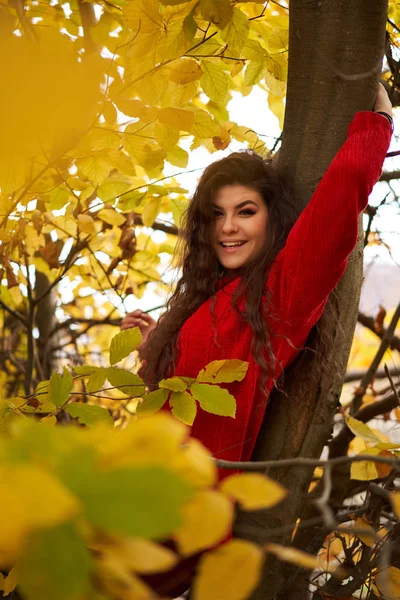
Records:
x=240, y=226
x=256, y=276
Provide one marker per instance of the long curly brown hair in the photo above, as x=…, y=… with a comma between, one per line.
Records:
x=201, y=268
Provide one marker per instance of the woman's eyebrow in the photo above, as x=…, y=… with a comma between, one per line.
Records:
x=239, y=205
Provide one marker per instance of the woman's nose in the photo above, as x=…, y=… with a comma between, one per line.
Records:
x=229, y=225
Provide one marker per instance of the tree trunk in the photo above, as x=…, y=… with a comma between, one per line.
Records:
x=335, y=56
x=45, y=321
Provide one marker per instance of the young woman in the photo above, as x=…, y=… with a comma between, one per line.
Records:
x=255, y=279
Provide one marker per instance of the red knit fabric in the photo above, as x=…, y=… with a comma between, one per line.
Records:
x=299, y=282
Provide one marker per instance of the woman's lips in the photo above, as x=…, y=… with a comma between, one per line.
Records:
x=232, y=248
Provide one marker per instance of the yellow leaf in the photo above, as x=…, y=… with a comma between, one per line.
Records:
x=294, y=556
x=277, y=107
x=229, y=573
x=395, y=500
x=152, y=441
x=253, y=491
x=86, y=224
x=207, y=519
x=178, y=157
x=218, y=12
x=49, y=502
x=275, y=74
x=196, y=464
x=361, y=430
x=365, y=470
x=111, y=216
x=95, y=168
x=145, y=556
x=150, y=211
x=252, y=50
x=32, y=499
x=13, y=172
x=204, y=125
x=236, y=32
x=166, y=136
x=215, y=82
x=388, y=582
x=278, y=40
x=49, y=420
x=143, y=16
x=10, y=582
x=254, y=72
x=184, y=70
x=177, y=117
x=369, y=537
x=223, y=371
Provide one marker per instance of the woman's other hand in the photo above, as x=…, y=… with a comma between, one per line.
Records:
x=382, y=101
x=140, y=319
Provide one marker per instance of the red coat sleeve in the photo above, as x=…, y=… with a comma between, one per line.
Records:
x=318, y=246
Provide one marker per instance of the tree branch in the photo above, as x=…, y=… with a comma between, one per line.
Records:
x=369, y=322
x=366, y=380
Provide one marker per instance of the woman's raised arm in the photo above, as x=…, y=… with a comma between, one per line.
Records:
x=318, y=246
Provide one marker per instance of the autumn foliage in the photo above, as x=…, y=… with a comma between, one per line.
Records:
x=102, y=105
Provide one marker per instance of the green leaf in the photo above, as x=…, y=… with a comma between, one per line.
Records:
x=178, y=207
x=176, y=384
x=152, y=402
x=110, y=190
x=42, y=391
x=131, y=200
x=60, y=387
x=223, y=371
x=189, y=26
x=145, y=502
x=89, y=414
x=215, y=82
x=128, y=383
x=124, y=343
x=214, y=399
x=55, y=565
x=218, y=12
x=252, y=50
x=85, y=370
x=96, y=380
x=183, y=407
x=237, y=30
x=254, y=73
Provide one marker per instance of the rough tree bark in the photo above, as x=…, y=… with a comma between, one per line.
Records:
x=336, y=49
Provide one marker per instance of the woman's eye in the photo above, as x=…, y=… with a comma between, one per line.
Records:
x=247, y=211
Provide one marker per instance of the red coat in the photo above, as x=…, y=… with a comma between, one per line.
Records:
x=299, y=281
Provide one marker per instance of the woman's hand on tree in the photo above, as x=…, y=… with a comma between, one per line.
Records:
x=140, y=319
x=382, y=101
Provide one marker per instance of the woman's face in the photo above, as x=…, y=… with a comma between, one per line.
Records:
x=240, y=216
